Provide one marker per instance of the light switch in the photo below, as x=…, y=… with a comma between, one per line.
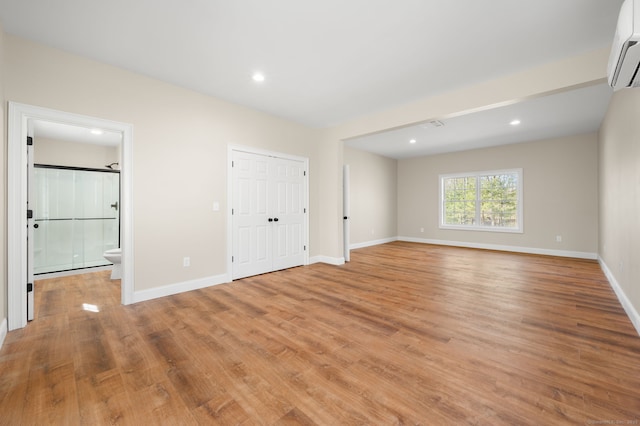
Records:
x=216, y=206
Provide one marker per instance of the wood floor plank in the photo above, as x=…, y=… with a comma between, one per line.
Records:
x=163, y=406
x=51, y=395
x=222, y=411
x=403, y=334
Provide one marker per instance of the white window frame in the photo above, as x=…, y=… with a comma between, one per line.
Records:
x=519, y=229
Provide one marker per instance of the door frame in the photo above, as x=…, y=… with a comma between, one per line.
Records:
x=19, y=117
x=240, y=148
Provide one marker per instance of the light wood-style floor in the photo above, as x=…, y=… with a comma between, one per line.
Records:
x=404, y=334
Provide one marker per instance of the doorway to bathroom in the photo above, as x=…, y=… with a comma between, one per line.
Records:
x=21, y=220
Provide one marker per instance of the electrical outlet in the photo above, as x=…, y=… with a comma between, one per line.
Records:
x=421, y=229
x=186, y=262
x=558, y=238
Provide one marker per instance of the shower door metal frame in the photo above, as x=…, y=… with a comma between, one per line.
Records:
x=82, y=169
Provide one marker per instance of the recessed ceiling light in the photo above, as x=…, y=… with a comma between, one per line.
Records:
x=515, y=122
x=96, y=131
x=412, y=141
x=258, y=76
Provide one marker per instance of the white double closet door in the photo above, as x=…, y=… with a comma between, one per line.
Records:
x=268, y=213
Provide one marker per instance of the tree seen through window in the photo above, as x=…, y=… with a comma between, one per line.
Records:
x=486, y=200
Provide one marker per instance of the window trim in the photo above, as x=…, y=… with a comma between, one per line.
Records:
x=520, y=203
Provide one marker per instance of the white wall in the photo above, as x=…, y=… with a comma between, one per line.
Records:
x=328, y=181
x=179, y=152
x=180, y=140
x=619, y=164
x=560, y=179
x=3, y=182
x=73, y=154
x=373, y=186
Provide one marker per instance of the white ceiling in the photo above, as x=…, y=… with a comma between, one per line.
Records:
x=562, y=114
x=330, y=61
x=70, y=133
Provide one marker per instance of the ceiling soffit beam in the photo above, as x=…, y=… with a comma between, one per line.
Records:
x=567, y=74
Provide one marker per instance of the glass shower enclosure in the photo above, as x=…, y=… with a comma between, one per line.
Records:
x=77, y=217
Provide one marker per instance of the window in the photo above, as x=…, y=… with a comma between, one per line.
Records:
x=486, y=201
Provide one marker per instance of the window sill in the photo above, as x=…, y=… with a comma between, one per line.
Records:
x=483, y=229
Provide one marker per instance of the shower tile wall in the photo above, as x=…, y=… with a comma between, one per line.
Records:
x=77, y=212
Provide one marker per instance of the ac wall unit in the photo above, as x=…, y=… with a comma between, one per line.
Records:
x=624, y=59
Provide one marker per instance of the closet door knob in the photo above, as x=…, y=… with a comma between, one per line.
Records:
x=275, y=219
x=271, y=219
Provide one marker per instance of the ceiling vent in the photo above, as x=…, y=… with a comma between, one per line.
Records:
x=433, y=123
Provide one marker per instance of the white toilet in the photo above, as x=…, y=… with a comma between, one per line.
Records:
x=115, y=256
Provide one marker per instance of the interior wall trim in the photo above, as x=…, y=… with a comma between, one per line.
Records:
x=628, y=307
x=3, y=331
x=498, y=247
x=20, y=119
x=181, y=287
x=372, y=243
x=336, y=261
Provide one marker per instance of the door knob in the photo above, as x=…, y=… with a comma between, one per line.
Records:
x=36, y=226
x=270, y=219
x=275, y=219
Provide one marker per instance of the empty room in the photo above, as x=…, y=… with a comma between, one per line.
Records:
x=338, y=212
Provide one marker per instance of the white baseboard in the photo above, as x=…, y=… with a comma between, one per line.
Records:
x=515, y=249
x=372, y=243
x=171, y=289
x=336, y=261
x=632, y=313
x=3, y=331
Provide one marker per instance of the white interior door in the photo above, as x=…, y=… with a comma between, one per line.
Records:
x=30, y=229
x=252, y=231
x=268, y=214
x=346, y=213
x=288, y=213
